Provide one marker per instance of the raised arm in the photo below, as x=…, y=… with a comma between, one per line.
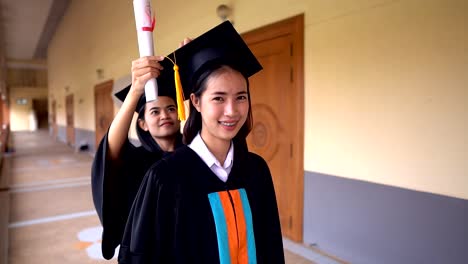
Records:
x=143, y=69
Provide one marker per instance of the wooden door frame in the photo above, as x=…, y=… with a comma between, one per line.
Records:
x=295, y=27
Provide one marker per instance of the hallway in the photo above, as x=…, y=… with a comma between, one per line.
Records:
x=52, y=217
x=50, y=202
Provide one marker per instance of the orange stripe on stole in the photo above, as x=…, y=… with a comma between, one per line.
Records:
x=243, y=257
x=236, y=226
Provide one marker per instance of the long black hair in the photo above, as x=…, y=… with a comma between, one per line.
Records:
x=194, y=122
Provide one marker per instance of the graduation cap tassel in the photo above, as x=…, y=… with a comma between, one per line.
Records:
x=179, y=91
x=179, y=94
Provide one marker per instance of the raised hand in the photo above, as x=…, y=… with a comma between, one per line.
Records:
x=144, y=69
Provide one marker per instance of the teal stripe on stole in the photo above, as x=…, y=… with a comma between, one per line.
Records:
x=221, y=228
x=251, y=250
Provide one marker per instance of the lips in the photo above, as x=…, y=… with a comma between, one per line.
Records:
x=166, y=124
x=228, y=123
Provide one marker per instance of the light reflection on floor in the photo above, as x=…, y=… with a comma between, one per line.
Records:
x=90, y=240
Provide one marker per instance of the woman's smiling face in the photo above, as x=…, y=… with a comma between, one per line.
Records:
x=161, y=118
x=224, y=105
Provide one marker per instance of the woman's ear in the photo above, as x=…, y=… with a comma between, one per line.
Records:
x=142, y=124
x=195, y=101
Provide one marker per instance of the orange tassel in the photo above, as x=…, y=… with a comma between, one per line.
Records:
x=179, y=94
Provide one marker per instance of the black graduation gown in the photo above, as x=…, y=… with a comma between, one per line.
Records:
x=173, y=219
x=114, y=187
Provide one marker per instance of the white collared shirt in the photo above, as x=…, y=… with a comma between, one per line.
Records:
x=222, y=171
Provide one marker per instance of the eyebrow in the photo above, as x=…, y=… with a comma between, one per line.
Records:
x=157, y=107
x=224, y=93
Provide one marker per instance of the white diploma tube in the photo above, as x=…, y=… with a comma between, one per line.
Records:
x=144, y=21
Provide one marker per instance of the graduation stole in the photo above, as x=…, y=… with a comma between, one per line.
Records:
x=234, y=226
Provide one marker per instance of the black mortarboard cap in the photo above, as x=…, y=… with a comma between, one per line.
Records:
x=166, y=86
x=222, y=44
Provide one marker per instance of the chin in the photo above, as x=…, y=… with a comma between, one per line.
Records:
x=166, y=134
x=228, y=136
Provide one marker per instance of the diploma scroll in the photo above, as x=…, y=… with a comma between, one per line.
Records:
x=144, y=21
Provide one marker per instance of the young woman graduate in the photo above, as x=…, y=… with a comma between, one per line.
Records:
x=119, y=166
x=212, y=201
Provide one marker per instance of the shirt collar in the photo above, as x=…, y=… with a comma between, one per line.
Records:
x=199, y=146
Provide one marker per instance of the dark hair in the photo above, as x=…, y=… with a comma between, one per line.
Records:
x=147, y=141
x=194, y=122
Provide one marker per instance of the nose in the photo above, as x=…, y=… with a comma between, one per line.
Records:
x=230, y=108
x=164, y=114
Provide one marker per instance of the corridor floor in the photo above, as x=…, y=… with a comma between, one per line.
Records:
x=52, y=217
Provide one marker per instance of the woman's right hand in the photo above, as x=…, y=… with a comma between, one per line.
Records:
x=144, y=69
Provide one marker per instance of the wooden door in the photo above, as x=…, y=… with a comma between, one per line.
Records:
x=70, y=122
x=5, y=112
x=3, y=131
x=40, y=108
x=104, y=108
x=1, y=111
x=54, y=118
x=277, y=107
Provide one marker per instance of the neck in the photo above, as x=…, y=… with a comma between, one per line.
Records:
x=166, y=144
x=219, y=148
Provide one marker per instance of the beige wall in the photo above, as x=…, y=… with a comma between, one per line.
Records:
x=386, y=96
x=101, y=35
x=385, y=81
x=19, y=114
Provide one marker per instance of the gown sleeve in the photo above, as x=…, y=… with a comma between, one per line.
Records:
x=267, y=225
x=114, y=185
x=150, y=221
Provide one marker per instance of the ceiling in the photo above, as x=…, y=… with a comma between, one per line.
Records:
x=28, y=26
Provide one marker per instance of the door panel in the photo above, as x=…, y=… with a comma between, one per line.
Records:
x=277, y=108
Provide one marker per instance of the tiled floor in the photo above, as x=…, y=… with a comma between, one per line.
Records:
x=52, y=242
x=52, y=218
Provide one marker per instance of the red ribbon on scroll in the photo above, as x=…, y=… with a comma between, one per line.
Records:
x=149, y=28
